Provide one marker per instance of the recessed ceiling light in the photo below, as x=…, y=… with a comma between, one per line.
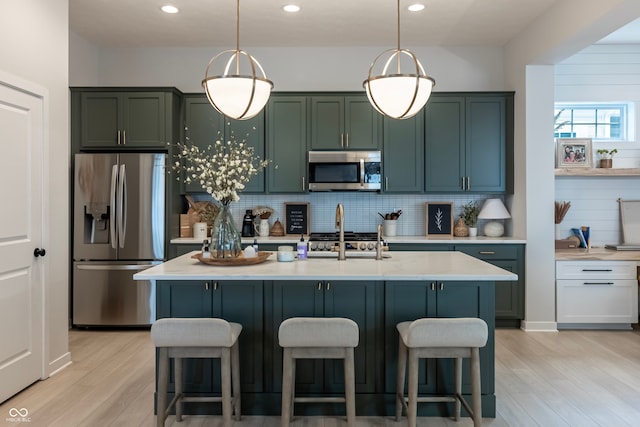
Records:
x=416, y=7
x=169, y=9
x=291, y=8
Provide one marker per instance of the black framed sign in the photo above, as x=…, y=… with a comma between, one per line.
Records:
x=439, y=219
x=296, y=218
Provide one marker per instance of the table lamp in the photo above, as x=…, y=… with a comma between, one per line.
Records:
x=493, y=209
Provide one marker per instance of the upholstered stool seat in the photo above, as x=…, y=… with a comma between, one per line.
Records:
x=440, y=338
x=197, y=338
x=317, y=338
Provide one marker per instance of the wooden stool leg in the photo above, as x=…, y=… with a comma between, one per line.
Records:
x=475, y=387
x=177, y=364
x=457, y=366
x=163, y=385
x=235, y=378
x=400, y=377
x=225, y=367
x=287, y=380
x=350, y=387
x=412, y=407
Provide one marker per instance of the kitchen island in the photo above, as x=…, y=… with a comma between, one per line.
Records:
x=375, y=294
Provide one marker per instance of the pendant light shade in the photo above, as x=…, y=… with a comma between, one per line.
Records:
x=392, y=92
x=234, y=94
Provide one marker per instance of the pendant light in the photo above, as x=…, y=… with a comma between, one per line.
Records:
x=393, y=93
x=233, y=94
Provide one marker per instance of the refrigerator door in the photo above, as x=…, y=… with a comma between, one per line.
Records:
x=141, y=206
x=93, y=206
x=105, y=294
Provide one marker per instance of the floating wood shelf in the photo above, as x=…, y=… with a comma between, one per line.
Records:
x=597, y=172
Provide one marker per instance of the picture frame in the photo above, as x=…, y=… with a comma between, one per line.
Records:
x=574, y=153
x=439, y=219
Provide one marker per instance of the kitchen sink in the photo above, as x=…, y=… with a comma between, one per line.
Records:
x=349, y=254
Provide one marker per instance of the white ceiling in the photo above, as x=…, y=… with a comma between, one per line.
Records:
x=201, y=23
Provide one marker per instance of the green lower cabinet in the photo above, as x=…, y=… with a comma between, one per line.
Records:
x=407, y=301
x=234, y=301
x=360, y=301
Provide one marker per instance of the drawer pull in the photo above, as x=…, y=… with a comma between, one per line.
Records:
x=598, y=283
x=487, y=252
x=596, y=269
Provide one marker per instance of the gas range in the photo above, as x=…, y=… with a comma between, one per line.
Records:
x=353, y=241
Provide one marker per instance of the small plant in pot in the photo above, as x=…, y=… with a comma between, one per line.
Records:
x=470, y=213
x=606, y=157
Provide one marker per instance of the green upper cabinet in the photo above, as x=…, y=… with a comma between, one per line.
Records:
x=403, y=155
x=204, y=124
x=465, y=143
x=108, y=119
x=344, y=123
x=287, y=144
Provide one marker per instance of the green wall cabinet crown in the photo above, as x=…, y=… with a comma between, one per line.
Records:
x=204, y=125
x=344, y=123
x=466, y=143
x=287, y=144
x=123, y=119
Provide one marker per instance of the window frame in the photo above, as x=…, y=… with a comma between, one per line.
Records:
x=627, y=120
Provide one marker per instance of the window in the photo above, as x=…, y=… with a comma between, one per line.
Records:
x=600, y=122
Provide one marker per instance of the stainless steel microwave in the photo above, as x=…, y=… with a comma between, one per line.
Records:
x=345, y=170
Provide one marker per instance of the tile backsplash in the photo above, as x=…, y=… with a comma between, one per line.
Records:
x=361, y=209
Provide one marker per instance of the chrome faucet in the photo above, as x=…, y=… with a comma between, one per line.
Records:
x=340, y=226
x=379, y=243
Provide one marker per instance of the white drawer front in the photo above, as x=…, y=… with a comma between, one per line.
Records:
x=597, y=301
x=595, y=270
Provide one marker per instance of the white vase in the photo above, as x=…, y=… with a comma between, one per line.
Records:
x=558, y=233
x=473, y=231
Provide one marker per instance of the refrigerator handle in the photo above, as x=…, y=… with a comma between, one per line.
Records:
x=112, y=203
x=122, y=205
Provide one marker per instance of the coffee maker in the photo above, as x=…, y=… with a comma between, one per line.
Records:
x=247, y=224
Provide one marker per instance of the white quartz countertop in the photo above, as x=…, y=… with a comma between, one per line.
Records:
x=292, y=239
x=446, y=266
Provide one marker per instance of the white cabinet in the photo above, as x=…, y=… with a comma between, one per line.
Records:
x=596, y=294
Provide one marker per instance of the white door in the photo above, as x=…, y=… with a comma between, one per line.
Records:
x=21, y=215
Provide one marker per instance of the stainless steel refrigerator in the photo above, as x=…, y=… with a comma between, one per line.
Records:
x=119, y=229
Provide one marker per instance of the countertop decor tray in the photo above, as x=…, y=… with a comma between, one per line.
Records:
x=240, y=260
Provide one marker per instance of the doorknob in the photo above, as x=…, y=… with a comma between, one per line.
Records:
x=38, y=252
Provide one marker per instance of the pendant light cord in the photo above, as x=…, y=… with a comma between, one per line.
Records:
x=398, y=55
x=238, y=37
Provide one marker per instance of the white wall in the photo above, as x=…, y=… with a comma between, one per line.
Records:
x=35, y=48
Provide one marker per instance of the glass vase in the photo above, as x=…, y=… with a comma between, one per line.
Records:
x=226, y=241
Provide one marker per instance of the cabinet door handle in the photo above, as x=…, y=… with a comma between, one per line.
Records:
x=118, y=136
x=319, y=286
x=215, y=286
x=206, y=286
x=441, y=286
x=124, y=137
x=342, y=140
x=347, y=140
x=462, y=182
x=303, y=185
x=468, y=183
x=433, y=286
x=597, y=283
x=594, y=269
x=386, y=183
x=487, y=252
x=328, y=285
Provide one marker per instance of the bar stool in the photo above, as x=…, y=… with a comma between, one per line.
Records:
x=197, y=338
x=317, y=338
x=440, y=338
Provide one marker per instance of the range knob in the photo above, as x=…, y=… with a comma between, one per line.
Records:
x=362, y=246
x=313, y=246
x=371, y=246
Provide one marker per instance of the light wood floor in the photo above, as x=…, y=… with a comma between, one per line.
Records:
x=569, y=378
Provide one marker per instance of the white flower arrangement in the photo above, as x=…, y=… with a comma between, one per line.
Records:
x=222, y=169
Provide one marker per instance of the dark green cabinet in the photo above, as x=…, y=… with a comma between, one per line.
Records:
x=108, y=119
x=204, y=125
x=287, y=144
x=234, y=301
x=509, y=294
x=403, y=155
x=356, y=300
x=407, y=301
x=344, y=123
x=465, y=143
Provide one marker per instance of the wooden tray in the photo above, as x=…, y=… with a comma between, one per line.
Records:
x=240, y=260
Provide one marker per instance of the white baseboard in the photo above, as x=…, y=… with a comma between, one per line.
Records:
x=531, y=326
x=58, y=365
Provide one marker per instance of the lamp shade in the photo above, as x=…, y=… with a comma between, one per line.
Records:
x=493, y=209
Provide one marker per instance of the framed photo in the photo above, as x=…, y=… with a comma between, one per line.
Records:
x=574, y=153
x=439, y=219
